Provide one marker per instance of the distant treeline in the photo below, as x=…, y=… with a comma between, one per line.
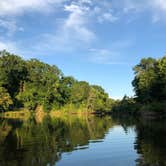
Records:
x=150, y=88
x=32, y=83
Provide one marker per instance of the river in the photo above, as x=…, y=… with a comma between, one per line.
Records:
x=82, y=141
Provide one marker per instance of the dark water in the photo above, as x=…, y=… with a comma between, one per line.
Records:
x=81, y=141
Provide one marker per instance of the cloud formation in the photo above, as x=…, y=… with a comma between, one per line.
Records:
x=8, y=45
x=77, y=22
x=157, y=8
x=15, y=7
x=111, y=54
x=80, y=20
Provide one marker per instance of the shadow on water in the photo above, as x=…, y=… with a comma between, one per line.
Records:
x=33, y=143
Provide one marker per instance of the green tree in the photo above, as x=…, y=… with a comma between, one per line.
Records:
x=13, y=72
x=160, y=87
x=5, y=100
x=31, y=83
x=145, y=79
x=80, y=92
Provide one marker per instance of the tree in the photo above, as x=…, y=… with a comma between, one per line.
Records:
x=79, y=92
x=145, y=78
x=31, y=83
x=41, y=87
x=13, y=72
x=161, y=80
x=5, y=100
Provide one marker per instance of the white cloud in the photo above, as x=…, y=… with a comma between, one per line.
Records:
x=107, y=17
x=10, y=26
x=83, y=14
x=105, y=56
x=159, y=4
x=111, y=54
x=14, y=7
x=8, y=45
x=157, y=8
x=140, y=5
x=134, y=5
x=101, y=56
x=10, y=9
x=76, y=25
x=85, y=1
x=74, y=33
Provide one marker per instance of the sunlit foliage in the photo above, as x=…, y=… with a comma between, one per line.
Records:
x=32, y=83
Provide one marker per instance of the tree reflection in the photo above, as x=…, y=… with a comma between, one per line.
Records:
x=41, y=143
x=30, y=143
x=151, y=143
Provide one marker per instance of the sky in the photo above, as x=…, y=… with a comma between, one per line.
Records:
x=98, y=41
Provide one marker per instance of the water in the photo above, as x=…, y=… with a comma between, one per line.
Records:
x=82, y=141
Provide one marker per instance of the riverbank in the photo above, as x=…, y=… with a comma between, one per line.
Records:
x=149, y=112
x=39, y=113
x=23, y=114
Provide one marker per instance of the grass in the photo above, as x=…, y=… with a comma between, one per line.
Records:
x=39, y=113
x=23, y=114
x=71, y=109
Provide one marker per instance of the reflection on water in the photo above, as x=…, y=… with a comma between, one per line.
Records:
x=82, y=141
x=151, y=143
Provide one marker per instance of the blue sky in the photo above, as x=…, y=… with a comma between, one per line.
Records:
x=98, y=41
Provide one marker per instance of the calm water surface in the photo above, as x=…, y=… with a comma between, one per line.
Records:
x=82, y=141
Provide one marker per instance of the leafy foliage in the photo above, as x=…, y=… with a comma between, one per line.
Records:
x=5, y=100
x=150, y=80
x=32, y=83
x=149, y=86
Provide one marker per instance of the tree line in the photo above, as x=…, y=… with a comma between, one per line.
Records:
x=150, y=88
x=30, y=83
